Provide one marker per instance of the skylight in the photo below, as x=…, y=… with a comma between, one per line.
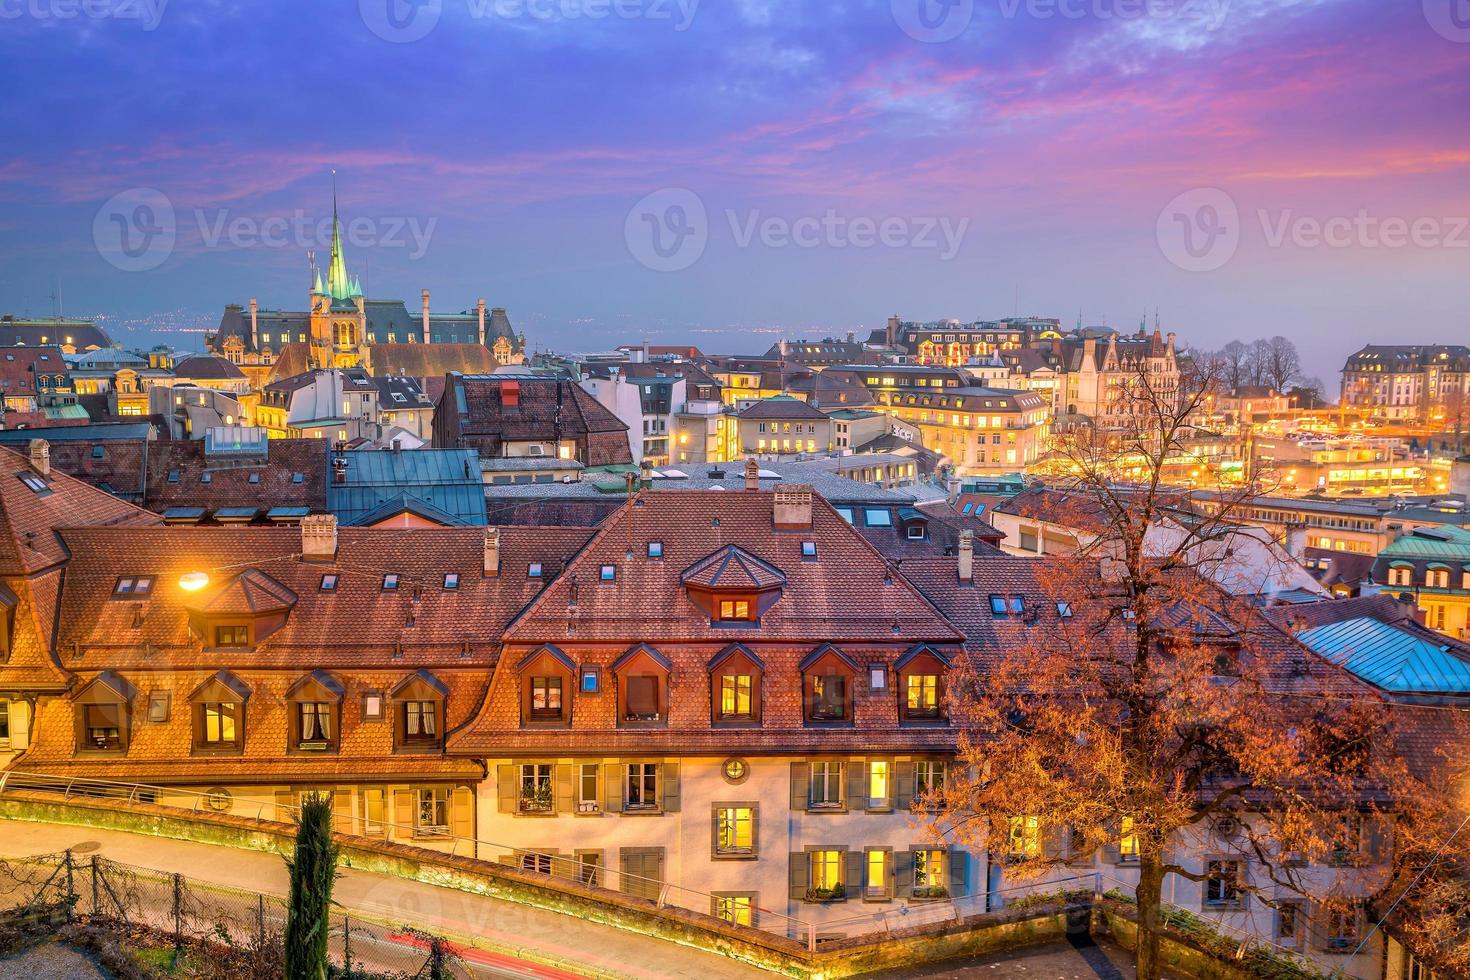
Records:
x=451, y=580
x=997, y=605
x=655, y=549
x=133, y=587
x=38, y=486
x=390, y=582
x=533, y=570
x=329, y=583
x=608, y=573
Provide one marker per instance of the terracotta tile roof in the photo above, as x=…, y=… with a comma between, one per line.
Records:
x=847, y=594
x=177, y=474
x=252, y=591
x=431, y=360
x=118, y=469
x=732, y=567
x=543, y=409
x=162, y=752
x=357, y=624
x=19, y=367
x=208, y=367
x=30, y=667
x=781, y=407
x=29, y=518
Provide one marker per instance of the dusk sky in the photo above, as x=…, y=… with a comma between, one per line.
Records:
x=813, y=166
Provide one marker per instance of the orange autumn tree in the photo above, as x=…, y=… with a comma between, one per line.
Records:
x=1148, y=706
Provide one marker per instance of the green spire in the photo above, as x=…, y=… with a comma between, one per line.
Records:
x=338, y=284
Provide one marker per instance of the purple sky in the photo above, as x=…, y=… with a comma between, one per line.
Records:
x=846, y=168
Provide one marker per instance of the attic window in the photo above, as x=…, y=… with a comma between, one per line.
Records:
x=329, y=583
x=1064, y=609
x=655, y=549
x=254, y=477
x=877, y=517
x=845, y=513
x=206, y=478
x=298, y=478
x=1018, y=605
x=390, y=582
x=98, y=452
x=533, y=570
x=608, y=573
x=808, y=549
x=916, y=531
x=38, y=486
x=132, y=588
x=173, y=476
x=997, y=605
x=451, y=580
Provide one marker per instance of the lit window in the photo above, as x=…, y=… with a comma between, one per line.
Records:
x=1025, y=837
x=929, y=873
x=734, y=830
x=922, y=696
x=878, y=784
x=826, y=874
x=451, y=580
x=232, y=636
x=736, y=610
x=390, y=582
x=536, y=795
x=219, y=723
x=734, y=909
x=433, y=812
x=735, y=695
x=1128, y=841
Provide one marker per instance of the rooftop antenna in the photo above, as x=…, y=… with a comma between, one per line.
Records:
x=56, y=299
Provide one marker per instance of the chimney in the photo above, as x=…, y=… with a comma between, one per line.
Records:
x=793, y=509
x=319, y=537
x=752, y=474
x=254, y=324
x=480, y=310
x=967, y=555
x=952, y=488
x=426, y=316
x=40, y=452
x=492, y=552
x=892, y=335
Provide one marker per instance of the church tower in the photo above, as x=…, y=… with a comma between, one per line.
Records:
x=338, y=309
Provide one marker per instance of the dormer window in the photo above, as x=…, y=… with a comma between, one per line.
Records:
x=733, y=586
x=315, y=710
x=643, y=687
x=419, y=707
x=103, y=715
x=736, y=610
x=236, y=637
x=828, y=678
x=921, y=682
x=219, y=714
x=546, y=685
x=735, y=686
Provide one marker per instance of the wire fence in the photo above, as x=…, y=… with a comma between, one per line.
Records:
x=240, y=933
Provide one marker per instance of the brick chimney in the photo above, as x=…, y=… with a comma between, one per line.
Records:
x=492, y=552
x=40, y=453
x=319, y=537
x=752, y=474
x=793, y=507
x=480, y=310
x=967, y=556
x=426, y=316
x=254, y=323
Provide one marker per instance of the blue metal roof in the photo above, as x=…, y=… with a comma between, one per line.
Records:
x=1389, y=657
x=446, y=480
x=79, y=433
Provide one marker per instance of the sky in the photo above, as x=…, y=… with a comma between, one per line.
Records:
x=726, y=172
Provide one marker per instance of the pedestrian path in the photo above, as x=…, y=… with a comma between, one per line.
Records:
x=522, y=936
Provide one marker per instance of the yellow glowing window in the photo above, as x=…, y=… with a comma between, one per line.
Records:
x=734, y=830
x=877, y=784
x=735, y=609
x=928, y=869
x=1128, y=842
x=826, y=869
x=735, y=695
x=219, y=723
x=923, y=694
x=877, y=884
x=734, y=909
x=1025, y=837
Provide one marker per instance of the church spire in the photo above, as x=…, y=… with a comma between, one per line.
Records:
x=338, y=283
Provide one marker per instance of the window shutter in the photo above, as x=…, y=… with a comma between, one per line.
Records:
x=903, y=787
x=561, y=778
x=20, y=725
x=341, y=812
x=959, y=872
x=1113, y=849
x=1378, y=837
x=800, y=785
x=1053, y=841
x=612, y=784
x=903, y=874
x=797, y=875
x=285, y=800
x=714, y=831
x=462, y=812
x=852, y=878
x=857, y=785
x=1317, y=928
x=505, y=788
x=669, y=773
x=402, y=813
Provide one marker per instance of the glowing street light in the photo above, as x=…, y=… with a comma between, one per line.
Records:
x=193, y=581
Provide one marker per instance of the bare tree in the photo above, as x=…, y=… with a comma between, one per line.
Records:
x=1281, y=364
x=1234, y=359
x=1149, y=709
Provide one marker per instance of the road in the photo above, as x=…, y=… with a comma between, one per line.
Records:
x=510, y=940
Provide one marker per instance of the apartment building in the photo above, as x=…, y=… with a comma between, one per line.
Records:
x=1432, y=564
x=514, y=415
x=783, y=425
x=698, y=701
x=1408, y=382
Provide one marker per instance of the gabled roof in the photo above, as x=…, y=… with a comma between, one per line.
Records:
x=782, y=407
x=1397, y=658
x=30, y=516
x=252, y=592
x=223, y=678
x=733, y=568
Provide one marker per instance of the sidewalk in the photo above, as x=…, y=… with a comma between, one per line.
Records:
x=525, y=933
